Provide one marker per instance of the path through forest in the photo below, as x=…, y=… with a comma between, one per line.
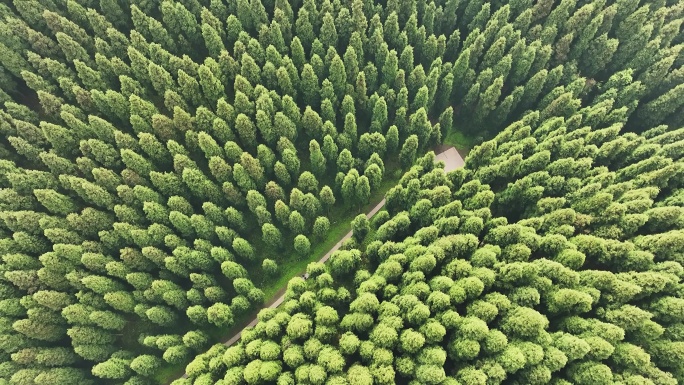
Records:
x=452, y=160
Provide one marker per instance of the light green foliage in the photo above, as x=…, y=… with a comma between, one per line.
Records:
x=164, y=164
x=302, y=245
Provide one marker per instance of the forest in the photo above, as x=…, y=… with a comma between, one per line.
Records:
x=169, y=167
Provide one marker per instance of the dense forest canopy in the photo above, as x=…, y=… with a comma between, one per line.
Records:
x=163, y=164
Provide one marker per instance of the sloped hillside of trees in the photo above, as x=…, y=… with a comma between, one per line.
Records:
x=553, y=257
x=162, y=162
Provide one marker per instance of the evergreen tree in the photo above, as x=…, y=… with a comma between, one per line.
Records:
x=362, y=189
x=317, y=159
x=304, y=29
x=328, y=32
x=309, y=86
x=408, y=151
x=246, y=130
x=212, y=40
x=379, y=118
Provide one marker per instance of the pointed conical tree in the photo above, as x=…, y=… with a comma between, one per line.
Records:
x=316, y=158
x=250, y=70
x=246, y=131
x=338, y=76
x=328, y=33
x=657, y=110
x=212, y=40
x=303, y=29
x=359, y=17
x=408, y=151
x=488, y=100
x=309, y=87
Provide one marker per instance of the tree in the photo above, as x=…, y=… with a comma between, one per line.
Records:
x=316, y=158
x=309, y=86
x=146, y=364
x=362, y=189
x=361, y=90
x=327, y=197
x=269, y=266
x=379, y=118
x=488, y=99
x=246, y=130
x=349, y=186
x=161, y=315
x=420, y=126
x=281, y=173
x=321, y=227
x=658, y=109
x=212, y=40
x=291, y=161
x=271, y=235
x=407, y=155
x=392, y=139
x=113, y=368
x=296, y=222
x=374, y=174
x=372, y=143
x=303, y=28
x=312, y=123
x=55, y=202
x=307, y=182
x=220, y=314
x=243, y=248
x=446, y=121
x=338, y=76
x=302, y=245
x=328, y=32
x=360, y=227
x=250, y=70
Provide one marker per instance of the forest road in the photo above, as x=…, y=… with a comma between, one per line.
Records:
x=452, y=160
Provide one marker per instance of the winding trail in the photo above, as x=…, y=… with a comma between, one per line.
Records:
x=452, y=160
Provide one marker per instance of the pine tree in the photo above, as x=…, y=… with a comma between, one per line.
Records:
x=408, y=151
x=328, y=32
x=338, y=76
x=392, y=139
x=657, y=110
x=361, y=90
x=246, y=130
x=601, y=51
x=316, y=158
x=351, y=64
x=328, y=92
x=309, y=86
x=363, y=190
x=356, y=42
x=312, y=123
x=303, y=28
x=446, y=121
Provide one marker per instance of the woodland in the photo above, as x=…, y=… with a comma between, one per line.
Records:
x=167, y=167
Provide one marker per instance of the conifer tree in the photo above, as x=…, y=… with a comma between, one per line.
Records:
x=309, y=86
x=328, y=32
x=338, y=76
x=408, y=151
x=303, y=28
x=316, y=158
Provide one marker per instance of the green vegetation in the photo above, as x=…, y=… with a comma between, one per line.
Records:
x=167, y=166
x=462, y=142
x=465, y=282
